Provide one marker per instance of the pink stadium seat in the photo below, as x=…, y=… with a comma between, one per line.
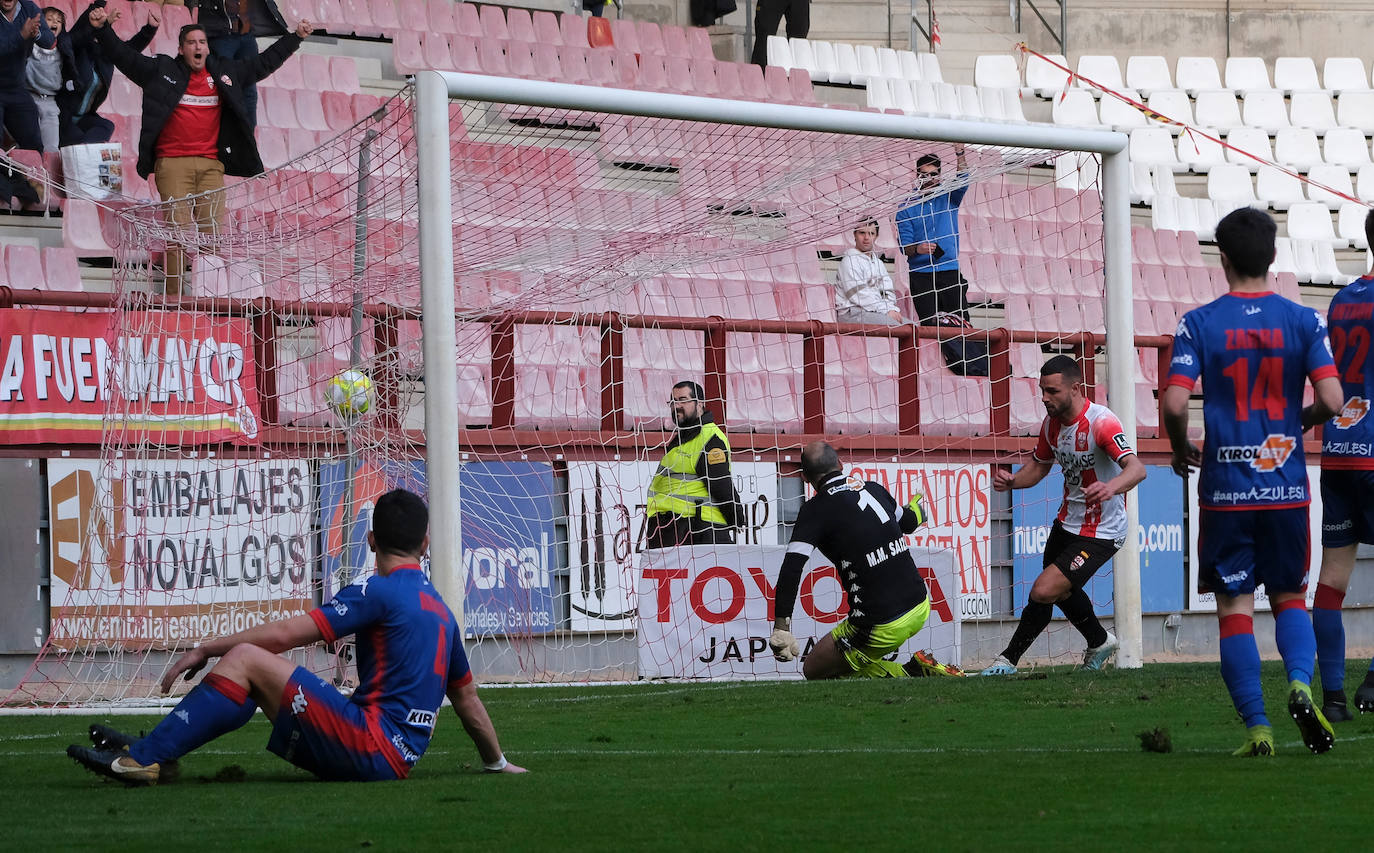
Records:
x=1189, y=250
x=439, y=14
x=520, y=58
x=82, y=230
x=653, y=75
x=675, y=42
x=728, y=80
x=800, y=82
x=408, y=52
x=545, y=25
x=474, y=395
x=752, y=86
x=574, y=63
x=856, y=404
x=466, y=56
x=212, y=276
x=546, y=62
x=625, y=36
x=573, y=29
x=276, y=109
x=1025, y=406
x=359, y=15
x=467, y=20
x=272, y=146
x=385, y=17
x=699, y=43
x=493, y=21
x=310, y=109
x=288, y=76
x=60, y=269
x=492, y=57
x=777, y=89
x=23, y=268
x=338, y=110
x=436, y=51
x=1169, y=252
x=329, y=16
x=650, y=38
x=519, y=24
x=300, y=142
x=125, y=98
x=557, y=397
x=343, y=75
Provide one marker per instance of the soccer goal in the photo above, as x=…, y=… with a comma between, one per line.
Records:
x=485, y=291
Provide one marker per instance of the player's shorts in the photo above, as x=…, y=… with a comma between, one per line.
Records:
x=861, y=646
x=1240, y=549
x=320, y=730
x=1078, y=557
x=1347, y=508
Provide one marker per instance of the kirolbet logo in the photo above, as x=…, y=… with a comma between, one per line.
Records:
x=1265, y=457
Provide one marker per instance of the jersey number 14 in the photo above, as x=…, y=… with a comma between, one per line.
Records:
x=1266, y=391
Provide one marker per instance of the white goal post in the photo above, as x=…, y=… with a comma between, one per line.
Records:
x=435, y=90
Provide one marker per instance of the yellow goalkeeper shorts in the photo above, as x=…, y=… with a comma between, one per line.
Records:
x=862, y=646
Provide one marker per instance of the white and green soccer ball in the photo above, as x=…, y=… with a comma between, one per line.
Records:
x=349, y=395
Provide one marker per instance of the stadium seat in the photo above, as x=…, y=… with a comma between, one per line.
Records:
x=930, y=68
x=1148, y=74
x=870, y=67
x=1120, y=115
x=1076, y=109
x=1230, y=182
x=213, y=277
x=1173, y=104
x=1295, y=73
x=1312, y=110
x=1345, y=146
x=1044, y=79
x=1197, y=74
x=1297, y=147
x=343, y=75
x=1345, y=74
x=309, y=109
x=1278, y=188
x=1355, y=108
x=846, y=65
x=800, y=84
x=60, y=269
x=996, y=70
x=827, y=62
x=464, y=53
x=779, y=52
x=573, y=30
x=1350, y=224
x=1155, y=145
x=1218, y=108
x=1246, y=74
x=802, y=56
x=1249, y=140
x=1103, y=70
x=385, y=17
x=1311, y=221
x=1337, y=178
x=1265, y=109
x=910, y=64
x=520, y=25
x=492, y=20
x=1075, y=170
x=1200, y=150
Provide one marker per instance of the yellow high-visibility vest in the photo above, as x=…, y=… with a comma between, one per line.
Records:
x=676, y=488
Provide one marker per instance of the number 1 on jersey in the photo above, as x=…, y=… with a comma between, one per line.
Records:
x=867, y=501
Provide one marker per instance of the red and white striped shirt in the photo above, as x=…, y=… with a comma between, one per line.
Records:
x=1089, y=450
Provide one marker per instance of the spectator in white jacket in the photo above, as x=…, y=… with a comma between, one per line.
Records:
x=863, y=290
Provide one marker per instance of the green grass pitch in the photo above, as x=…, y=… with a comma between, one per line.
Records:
x=1045, y=762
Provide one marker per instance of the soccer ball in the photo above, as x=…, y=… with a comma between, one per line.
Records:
x=349, y=395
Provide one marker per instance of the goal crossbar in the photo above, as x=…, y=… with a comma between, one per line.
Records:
x=434, y=91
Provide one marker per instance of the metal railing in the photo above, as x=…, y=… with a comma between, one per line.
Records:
x=1061, y=38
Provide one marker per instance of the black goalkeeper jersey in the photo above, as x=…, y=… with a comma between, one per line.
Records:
x=858, y=526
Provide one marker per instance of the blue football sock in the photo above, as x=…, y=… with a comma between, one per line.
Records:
x=214, y=707
x=1240, y=668
x=1330, y=632
x=1293, y=635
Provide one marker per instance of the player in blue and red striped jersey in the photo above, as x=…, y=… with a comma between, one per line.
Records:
x=1254, y=351
x=410, y=655
x=1347, y=487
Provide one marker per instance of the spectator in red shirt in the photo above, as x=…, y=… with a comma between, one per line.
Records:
x=196, y=125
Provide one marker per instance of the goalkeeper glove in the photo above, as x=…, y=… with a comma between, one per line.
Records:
x=918, y=509
x=783, y=644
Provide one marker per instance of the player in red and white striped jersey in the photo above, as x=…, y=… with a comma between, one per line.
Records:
x=1099, y=467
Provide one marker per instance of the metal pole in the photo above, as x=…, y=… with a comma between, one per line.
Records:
x=440, y=337
x=355, y=356
x=1116, y=237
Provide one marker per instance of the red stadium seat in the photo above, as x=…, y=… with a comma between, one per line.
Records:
x=598, y=33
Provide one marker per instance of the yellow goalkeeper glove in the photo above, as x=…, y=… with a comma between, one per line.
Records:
x=919, y=510
x=784, y=645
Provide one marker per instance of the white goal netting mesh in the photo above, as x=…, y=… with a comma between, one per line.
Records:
x=599, y=260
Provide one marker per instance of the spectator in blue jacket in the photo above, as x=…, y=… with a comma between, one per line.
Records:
x=929, y=234
x=21, y=27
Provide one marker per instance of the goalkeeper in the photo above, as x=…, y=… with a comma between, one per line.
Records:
x=859, y=527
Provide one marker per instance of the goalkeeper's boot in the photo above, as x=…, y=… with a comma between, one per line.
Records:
x=1364, y=698
x=105, y=738
x=1001, y=666
x=1316, y=731
x=115, y=764
x=923, y=663
x=1259, y=743
x=1097, y=656
x=1334, y=707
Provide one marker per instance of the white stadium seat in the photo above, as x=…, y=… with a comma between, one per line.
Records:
x=779, y=53
x=1245, y=74
x=1264, y=108
x=910, y=64
x=930, y=68
x=1278, y=188
x=869, y=68
x=846, y=65
x=804, y=58
x=1075, y=109
x=1311, y=221
x=1345, y=146
x=1364, y=183
x=1196, y=73
x=1355, y=108
x=1148, y=74
x=1230, y=182
x=1294, y=73
x=1217, y=108
x=1335, y=177
x=1120, y=115
x=1297, y=147
x=996, y=69
x=1103, y=70
x=1174, y=104
x=969, y=105
x=824, y=54
x=1345, y=74
x=1199, y=151
x=1350, y=224
x=888, y=63
x=1047, y=80
x=1312, y=109
x=1250, y=140
x=1155, y=145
